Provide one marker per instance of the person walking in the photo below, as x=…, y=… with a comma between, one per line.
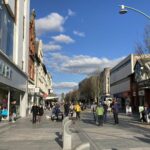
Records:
x=40, y=112
x=13, y=111
x=71, y=108
x=93, y=109
x=34, y=111
x=78, y=110
x=0, y=113
x=66, y=109
x=115, y=109
x=100, y=113
x=105, y=106
x=148, y=115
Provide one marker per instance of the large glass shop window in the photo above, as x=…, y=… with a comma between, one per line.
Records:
x=6, y=31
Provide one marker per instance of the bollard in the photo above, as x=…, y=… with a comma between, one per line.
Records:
x=64, y=120
x=84, y=146
x=67, y=136
x=63, y=123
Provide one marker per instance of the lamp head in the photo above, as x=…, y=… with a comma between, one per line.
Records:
x=123, y=10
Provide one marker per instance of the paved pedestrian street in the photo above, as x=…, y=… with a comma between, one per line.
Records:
x=128, y=135
x=23, y=135
x=46, y=135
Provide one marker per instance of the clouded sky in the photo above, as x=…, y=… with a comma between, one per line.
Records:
x=84, y=36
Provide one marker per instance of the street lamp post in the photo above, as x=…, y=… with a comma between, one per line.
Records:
x=124, y=9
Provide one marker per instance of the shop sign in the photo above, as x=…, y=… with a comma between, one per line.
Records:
x=31, y=86
x=141, y=93
x=5, y=70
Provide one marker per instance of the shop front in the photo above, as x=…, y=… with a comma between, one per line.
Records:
x=13, y=87
x=123, y=98
x=35, y=96
x=7, y=96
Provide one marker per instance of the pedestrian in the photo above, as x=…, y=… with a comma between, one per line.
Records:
x=105, y=106
x=144, y=114
x=115, y=109
x=34, y=111
x=4, y=113
x=0, y=113
x=71, y=108
x=40, y=112
x=141, y=109
x=66, y=109
x=100, y=113
x=74, y=115
x=13, y=111
x=78, y=110
x=93, y=109
x=148, y=115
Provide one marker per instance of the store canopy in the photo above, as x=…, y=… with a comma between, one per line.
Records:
x=51, y=98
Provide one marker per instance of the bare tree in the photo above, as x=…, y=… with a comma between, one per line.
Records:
x=144, y=49
x=147, y=39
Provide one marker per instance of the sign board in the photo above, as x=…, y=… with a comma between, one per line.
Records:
x=5, y=70
x=31, y=86
x=37, y=90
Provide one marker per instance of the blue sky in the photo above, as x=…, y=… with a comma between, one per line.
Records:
x=84, y=36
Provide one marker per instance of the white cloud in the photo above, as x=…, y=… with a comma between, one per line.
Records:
x=80, y=64
x=65, y=85
x=51, y=47
x=63, y=39
x=81, y=34
x=70, y=12
x=52, y=22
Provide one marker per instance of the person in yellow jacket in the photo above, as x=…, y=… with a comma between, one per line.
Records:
x=100, y=113
x=78, y=110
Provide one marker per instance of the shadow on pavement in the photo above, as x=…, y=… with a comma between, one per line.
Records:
x=145, y=139
x=89, y=121
x=58, y=139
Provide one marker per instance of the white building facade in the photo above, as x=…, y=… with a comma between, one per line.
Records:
x=42, y=82
x=42, y=78
x=14, y=43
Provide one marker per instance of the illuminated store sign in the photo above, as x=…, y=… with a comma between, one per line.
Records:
x=5, y=70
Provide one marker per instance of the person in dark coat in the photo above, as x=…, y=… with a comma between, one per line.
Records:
x=66, y=109
x=34, y=112
x=40, y=112
x=115, y=109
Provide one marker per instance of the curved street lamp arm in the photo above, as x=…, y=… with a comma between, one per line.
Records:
x=137, y=11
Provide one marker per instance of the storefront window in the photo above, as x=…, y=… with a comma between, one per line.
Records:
x=6, y=31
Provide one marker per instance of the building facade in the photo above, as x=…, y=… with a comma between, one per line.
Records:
x=31, y=61
x=14, y=37
x=39, y=80
x=42, y=77
x=142, y=80
x=120, y=80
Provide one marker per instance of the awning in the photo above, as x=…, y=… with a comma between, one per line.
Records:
x=50, y=98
